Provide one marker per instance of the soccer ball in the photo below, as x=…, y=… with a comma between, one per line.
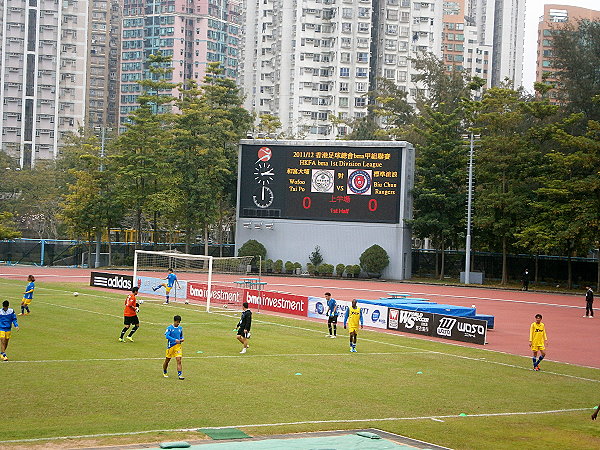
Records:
x=141, y=302
x=225, y=306
x=75, y=294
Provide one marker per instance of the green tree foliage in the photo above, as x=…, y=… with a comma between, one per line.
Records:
x=268, y=125
x=507, y=165
x=206, y=134
x=374, y=259
x=576, y=60
x=566, y=210
x=8, y=227
x=441, y=160
x=142, y=150
x=253, y=248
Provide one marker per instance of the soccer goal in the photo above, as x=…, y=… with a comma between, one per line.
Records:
x=214, y=281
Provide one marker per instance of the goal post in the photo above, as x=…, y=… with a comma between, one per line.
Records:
x=214, y=281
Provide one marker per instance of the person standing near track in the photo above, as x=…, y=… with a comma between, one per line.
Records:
x=525, y=279
x=8, y=318
x=353, y=316
x=589, y=301
x=130, y=315
x=243, y=326
x=538, y=341
x=595, y=413
x=332, y=314
x=27, y=296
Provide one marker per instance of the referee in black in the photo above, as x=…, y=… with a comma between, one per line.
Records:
x=243, y=333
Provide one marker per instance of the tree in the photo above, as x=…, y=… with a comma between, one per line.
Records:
x=567, y=204
x=506, y=168
x=211, y=123
x=142, y=150
x=7, y=227
x=268, y=125
x=576, y=58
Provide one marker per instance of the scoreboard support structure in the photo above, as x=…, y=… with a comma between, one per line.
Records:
x=343, y=196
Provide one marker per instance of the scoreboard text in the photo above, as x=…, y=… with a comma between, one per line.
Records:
x=341, y=183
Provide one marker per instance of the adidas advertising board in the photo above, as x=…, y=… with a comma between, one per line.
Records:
x=111, y=280
x=373, y=315
x=462, y=329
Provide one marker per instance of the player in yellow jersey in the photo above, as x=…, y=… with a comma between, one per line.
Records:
x=538, y=340
x=353, y=316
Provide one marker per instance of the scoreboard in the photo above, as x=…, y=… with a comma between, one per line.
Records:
x=313, y=182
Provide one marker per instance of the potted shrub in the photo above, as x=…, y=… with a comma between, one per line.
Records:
x=373, y=260
x=297, y=268
x=269, y=266
x=356, y=270
x=278, y=266
x=348, y=270
x=289, y=267
x=339, y=269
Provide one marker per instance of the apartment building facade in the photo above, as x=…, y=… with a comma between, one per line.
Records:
x=193, y=32
x=42, y=75
x=312, y=62
x=554, y=17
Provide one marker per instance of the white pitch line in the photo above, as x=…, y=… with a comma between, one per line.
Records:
x=277, y=355
x=303, y=422
x=434, y=295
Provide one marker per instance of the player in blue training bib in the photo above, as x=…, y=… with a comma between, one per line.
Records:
x=27, y=296
x=171, y=281
x=174, y=335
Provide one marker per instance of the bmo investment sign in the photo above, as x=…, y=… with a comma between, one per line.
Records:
x=111, y=280
x=463, y=329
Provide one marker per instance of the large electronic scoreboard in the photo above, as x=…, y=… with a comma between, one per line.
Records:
x=320, y=182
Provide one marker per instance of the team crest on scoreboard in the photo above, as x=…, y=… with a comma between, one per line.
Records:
x=359, y=181
x=322, y=181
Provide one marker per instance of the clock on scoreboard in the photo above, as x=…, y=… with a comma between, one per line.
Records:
x=312, y=182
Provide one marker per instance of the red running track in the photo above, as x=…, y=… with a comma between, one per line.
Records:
x=570, y=336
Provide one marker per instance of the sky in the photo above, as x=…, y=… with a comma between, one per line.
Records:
x=534, y=9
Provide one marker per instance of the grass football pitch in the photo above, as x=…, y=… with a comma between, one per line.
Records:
x=68, y=376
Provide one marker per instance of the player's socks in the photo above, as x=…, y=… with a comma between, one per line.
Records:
x=22, y=310
x=135, y=328
x=123, y=331
x=539, y=360
x=534, y=361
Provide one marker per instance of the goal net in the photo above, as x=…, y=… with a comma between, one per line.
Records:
x=209, y=280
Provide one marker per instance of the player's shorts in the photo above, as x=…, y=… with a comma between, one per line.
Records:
x=175, y=351
x=536, y=348
x=241, y=333
x=332, y=319
x=352, y=329
x=168, y=288
x=27, y=301
x=4, y=334
x=131, y=320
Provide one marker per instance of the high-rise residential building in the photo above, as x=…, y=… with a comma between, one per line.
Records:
x=42, y=75
x=312, y=62
x=500, y=25
x=58, y=72
x=462, y=48
x=103, y=63
x=193, y=32
x=554, y=17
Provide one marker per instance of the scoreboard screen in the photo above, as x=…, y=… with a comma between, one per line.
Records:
x=312, y=182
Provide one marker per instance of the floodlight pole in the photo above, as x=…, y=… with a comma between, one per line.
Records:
x=469, y=206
